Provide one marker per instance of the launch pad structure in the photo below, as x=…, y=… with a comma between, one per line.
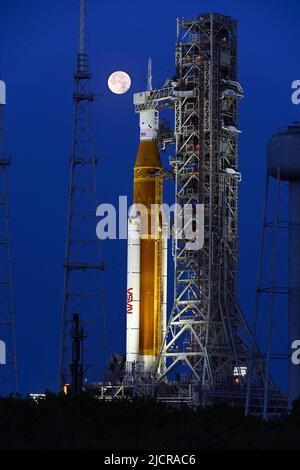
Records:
x=204, y=357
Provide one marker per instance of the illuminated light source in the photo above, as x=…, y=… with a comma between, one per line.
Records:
x=2, y=92
x=2, y=352
x=239, y=371
x=37, y=396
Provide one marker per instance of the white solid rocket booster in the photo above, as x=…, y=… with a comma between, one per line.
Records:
x=164, y=279
x=133, y=290
x=2, y=102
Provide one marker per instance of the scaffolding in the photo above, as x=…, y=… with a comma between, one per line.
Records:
x=208, y=339
x=202, y=330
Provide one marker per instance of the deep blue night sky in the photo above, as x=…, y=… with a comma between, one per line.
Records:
x=38, y=41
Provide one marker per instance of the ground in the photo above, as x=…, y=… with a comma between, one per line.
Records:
x=82, y=422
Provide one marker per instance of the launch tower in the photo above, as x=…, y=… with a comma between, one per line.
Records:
x=208, y=341
x=205, y=328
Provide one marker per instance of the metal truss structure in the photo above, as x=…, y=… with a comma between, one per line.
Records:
x=203, y=327
x=9, y=376
x=83, y=293
x=272, y=290
x=208, y=340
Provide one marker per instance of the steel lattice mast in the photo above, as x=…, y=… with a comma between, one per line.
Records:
x=83, y=293
x=9, y=376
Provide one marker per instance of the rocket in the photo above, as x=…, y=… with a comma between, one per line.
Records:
x=147, y=254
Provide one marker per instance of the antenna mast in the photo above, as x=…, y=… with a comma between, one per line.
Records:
x=82, y=28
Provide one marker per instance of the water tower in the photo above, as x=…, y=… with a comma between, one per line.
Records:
x=284, y=165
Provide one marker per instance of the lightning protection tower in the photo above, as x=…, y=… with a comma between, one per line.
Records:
x=83, y=267
x=9, y=378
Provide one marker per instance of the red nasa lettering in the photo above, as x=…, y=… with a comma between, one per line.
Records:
x=129, y=299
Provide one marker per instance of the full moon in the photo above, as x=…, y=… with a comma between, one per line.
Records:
x=119, y=82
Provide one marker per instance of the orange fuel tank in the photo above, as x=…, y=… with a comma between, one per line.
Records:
x=148, y=192
x=148, y=197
